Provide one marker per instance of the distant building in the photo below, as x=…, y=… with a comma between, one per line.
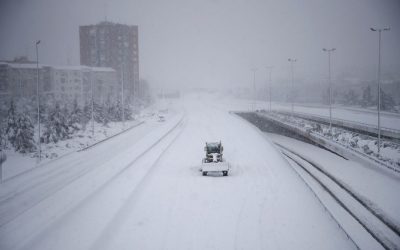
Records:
x=112, y=45
x=19, y=79
x=74, y=82
x=63, y=83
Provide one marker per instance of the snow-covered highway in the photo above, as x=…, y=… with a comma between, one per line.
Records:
x=149, y=194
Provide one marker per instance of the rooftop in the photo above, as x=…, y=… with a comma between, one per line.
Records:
x=76, y=67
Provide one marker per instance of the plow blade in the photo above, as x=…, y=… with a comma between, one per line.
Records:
x=212, y=167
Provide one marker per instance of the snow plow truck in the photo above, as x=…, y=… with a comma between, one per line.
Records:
x=214, y=162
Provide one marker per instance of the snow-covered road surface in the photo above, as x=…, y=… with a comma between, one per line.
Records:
x=161, y=201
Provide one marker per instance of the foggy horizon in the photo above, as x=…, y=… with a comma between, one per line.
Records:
x=216, y=43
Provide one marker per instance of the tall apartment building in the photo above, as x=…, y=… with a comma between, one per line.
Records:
x=112, y=45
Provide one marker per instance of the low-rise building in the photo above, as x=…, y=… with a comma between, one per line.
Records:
x=62, y=83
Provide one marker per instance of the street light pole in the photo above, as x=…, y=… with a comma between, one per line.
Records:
x=330, y=87
x=38, y=99
x=379, y=85
x=254, y=88
x=122, y=96
x=92, y=97
x=270, y=87
x=292, y=61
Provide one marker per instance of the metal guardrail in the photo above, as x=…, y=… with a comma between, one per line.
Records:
x=337, y=107
x=387, y=132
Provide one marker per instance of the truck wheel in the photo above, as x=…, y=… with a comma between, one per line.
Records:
x=204, y=173
x=225, y=173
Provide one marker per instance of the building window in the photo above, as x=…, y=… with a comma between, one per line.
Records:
x=3, y=85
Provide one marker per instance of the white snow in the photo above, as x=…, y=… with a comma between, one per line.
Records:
x=18, y=163
x=143, y=190
x=376, y=188
x=360, y=116
x=365, y=145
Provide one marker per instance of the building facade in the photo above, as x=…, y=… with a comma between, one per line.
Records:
x=19, y=79
x=112, y=45
x=76, y=82
x=60, y=83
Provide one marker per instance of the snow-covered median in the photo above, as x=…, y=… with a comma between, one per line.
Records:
x=363, y=144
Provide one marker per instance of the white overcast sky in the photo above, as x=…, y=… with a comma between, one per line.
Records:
x=215, y=42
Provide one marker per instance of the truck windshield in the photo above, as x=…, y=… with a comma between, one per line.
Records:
x=213, y=148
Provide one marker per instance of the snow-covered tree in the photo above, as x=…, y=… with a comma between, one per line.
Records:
x=75, y=117
x=351, y=98
x=86, y=114
x=128, y=113
x=118, y=111
x=367, y=99
x=110, y=110
x=23, y=140
x=387, y=102
x=56, y=126
x=11, y=124
x=3, y=135
x=19, y=130
x=325, y=96
x=100, y=113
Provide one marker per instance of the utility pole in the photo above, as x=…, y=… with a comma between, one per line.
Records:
x=122, y=96
x=292, y=61
x=330, y=87
x=92, y=97
x=38, y=100
x=254, y=88
x=3, y=158
x=379, y=85
x=270, y=87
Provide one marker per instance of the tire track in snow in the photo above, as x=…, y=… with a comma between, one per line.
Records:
x=104, y=239
x=48, y=184
x=57, y=214
x=259, y=189
x=376, y=233
x=54, y=172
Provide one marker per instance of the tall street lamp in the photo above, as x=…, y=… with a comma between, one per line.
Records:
x=92, y=100
x=122, y=95
x=38, y=99
x=330, y=87
x=379, y=84
x=270, y=86
x=292, y=61
x=254, y=87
